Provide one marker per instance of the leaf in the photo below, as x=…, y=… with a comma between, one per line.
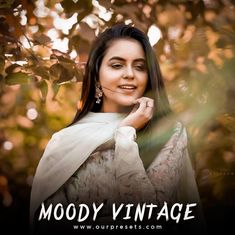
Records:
x=83, y=14
x=55, y=88
x=86, y=32
x=41, y=71
x=69, y=6
x=105, y=3
x=42, y=39
x=79, y=44
x=13, y=68
x=78, y=74
x=66, y=75
x=58, y=53
x=43, y=89
x=81, y=7
x=63, y=59
x=62, y=73
x=17, y=78
x=55, y=70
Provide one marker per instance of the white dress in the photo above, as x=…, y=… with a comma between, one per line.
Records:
x=114, y=173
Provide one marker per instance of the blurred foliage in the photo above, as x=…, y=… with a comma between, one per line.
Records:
x=43, y=49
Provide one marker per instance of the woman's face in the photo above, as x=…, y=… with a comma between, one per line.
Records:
x=123, y=75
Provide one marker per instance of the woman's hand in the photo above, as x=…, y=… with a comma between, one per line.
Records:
x=141, y=113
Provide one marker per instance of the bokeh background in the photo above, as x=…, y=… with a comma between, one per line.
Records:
x=43, y=48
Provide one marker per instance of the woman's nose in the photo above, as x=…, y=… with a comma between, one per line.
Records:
x=128, y=73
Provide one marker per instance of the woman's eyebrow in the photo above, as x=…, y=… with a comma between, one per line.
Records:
x=122, y=59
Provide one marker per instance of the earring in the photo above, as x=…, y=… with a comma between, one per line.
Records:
x=98, y=93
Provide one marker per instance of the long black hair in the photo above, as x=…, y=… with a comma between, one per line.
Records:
x=149, y=141
x=155, y=87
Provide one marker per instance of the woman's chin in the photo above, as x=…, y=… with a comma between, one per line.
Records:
x=128, y=102
x=128, y=105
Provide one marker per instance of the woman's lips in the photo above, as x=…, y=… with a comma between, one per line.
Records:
x=127, y=87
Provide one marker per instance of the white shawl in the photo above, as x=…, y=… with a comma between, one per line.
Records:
x=67, y=150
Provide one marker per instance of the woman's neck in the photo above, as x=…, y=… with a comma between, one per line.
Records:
x=111, y=109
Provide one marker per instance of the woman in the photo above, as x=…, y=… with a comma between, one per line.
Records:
x=96, y=159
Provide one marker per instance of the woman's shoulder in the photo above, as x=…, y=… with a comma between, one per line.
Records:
x=66, y=130
x=63, y=135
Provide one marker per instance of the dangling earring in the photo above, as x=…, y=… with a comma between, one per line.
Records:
x=98, y=93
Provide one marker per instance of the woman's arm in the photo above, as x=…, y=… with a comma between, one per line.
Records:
x=133, y=182
x=171, y=172
x=170, y=177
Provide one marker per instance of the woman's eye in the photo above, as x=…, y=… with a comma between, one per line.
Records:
x=140, y=67
x=116, y=66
